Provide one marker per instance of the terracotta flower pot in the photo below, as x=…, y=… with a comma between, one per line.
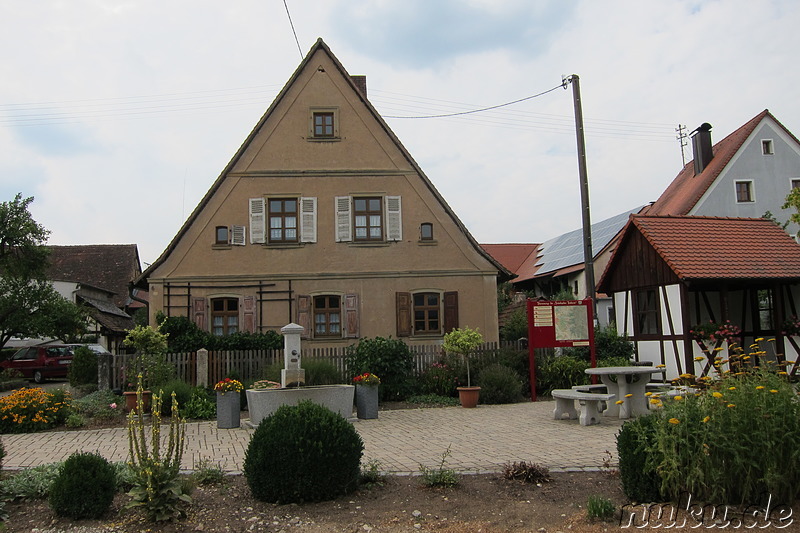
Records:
x=468, y=396
x=130, y=400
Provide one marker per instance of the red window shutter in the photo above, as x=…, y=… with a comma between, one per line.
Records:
x=249, y=314
x=403, y=314
x=199, y=313
x=350, y=316
x=450, y=311
x=304, y=314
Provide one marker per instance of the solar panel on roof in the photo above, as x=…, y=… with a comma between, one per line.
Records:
x=567, y=249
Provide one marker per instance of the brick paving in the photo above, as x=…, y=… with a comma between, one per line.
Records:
x=480, y=440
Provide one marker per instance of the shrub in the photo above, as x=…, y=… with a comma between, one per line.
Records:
x=516, y=326
x=321, y=372
x=499, y=384
x=149, y=363
x=206, y=473
x=174, y=390
x=185, y=336
x=439, y=476
x=75, y=421
x=303, y=453
x=599, y=507
x=28, y=410
x=104, y=405
x=83, y=370
x=635, y=439
x=432, y=400
x=200, y=406
x=560, y=372
x=440, y=379
x=389, y=358
x=84, y=488
x=31, y=483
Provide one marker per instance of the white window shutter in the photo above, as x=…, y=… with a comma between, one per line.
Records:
x=394, y=220
x=257, y=220
x=238, y=235
x=308, y=219
x=344, y=223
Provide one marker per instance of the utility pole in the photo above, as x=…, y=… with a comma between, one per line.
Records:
x=588, y=256
x=682, y=136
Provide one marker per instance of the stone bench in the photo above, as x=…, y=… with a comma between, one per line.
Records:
x=590, y=408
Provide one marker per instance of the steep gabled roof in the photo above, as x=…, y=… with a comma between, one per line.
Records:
x=320, y=45
x=687, y=188
x=512, y=256
x=106, y=266
x=714, y=248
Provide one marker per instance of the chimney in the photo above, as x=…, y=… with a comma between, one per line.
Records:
x=701, y=147
x=361, y=84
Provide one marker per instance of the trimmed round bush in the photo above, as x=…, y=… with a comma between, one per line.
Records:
x=303, y=453
x=499, y=384
x=84, y=488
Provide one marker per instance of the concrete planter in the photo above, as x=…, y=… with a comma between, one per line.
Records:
x=228, y=410
x=367, y=401
x=263, y=402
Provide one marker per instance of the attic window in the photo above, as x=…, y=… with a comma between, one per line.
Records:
x=766, y=147
x=426, y=231
x=795, y=183
x=744, y=192
x=323, y=124
x=222, y=235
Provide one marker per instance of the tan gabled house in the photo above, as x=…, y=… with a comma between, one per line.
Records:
x=324, y=219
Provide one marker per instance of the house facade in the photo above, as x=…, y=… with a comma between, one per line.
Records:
x=671, y=274
x=322, y=218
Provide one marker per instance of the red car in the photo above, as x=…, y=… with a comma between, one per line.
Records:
x=41, y=362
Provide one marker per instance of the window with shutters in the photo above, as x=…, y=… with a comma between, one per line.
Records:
x=224, y=316
x=327, y=316
x=221, y=235
x=427, y=313
x=368, y=219
x=282, y=220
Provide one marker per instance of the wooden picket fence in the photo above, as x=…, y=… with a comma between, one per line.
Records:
x=251, y=364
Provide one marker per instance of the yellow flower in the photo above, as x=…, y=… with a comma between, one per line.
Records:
x=698, y=358
x=731, y=388
x=661, y=366
x=782, y=373
x=678, y=398
x=706, y=419
x=656, y=401
x=620, y=402
x=731, y=405
x=674, y=421
x=687, y=376
x=760, y=387
x=773, y=391
x=648, y=393
x=628, y=395
x=759, y=339
x=716, y=394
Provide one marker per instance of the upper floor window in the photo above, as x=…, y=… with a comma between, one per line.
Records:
x=647, y=312
x=368, y=219
x=795, y=183
x=224, y=316
x=744, y=192
x=426, y=231
x=327, y=316
x=222, y=235
x=767, y=147
x=323, y=123
x=282, y=220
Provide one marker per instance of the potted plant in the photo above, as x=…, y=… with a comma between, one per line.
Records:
x=366, y=395
x=463, y=341
x=148, y=367
x=228, y=403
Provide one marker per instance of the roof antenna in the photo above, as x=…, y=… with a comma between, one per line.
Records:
x=293, y=31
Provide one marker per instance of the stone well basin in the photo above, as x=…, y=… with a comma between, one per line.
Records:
x=263, y=402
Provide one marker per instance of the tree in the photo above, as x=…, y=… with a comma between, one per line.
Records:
x=793, y=200
x=29, y=305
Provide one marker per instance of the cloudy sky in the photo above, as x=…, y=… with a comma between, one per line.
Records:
x=117, y=116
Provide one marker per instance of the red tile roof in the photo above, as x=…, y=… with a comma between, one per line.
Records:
x=721, y=248
x=511, y=256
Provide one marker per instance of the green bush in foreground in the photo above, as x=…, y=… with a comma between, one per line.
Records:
x=84, y=488
x=499, y=384
x=634, y=444
x=303, y=453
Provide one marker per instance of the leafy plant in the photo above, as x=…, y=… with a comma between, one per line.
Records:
x=433, y=400
x=439, y=476
x=371, y=473
x=321, y=372
x=200, y=406
x=527, y=472
x=32, y=483
x=440, y=379
x=84, y=487
x=74, y=421
x=560, y=372
x=463, y=341
x=499, y=384
x=149, y=362
x=104, y=405
x=185, y=336
x=206, y=473
x=391, y=359
x=83, y=369
x=303, y=453
x=635, y=440
x=157, y=488
x=175, y=390
x=27, y=410
x=599, y=507
x=516, y=326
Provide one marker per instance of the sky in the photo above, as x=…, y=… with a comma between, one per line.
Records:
x=117, y=116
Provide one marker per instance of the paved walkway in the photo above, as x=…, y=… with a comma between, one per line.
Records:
x=480, y=440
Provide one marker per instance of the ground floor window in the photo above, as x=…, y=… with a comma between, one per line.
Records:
x=327, y=316
x=427, y=316
x=224, y=316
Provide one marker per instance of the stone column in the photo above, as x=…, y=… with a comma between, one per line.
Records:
x=202, y=367
x=104, y=371
x=292, y=375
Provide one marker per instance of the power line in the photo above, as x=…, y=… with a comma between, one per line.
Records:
x=294, y=32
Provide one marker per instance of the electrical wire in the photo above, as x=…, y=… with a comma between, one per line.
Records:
x=293, y=31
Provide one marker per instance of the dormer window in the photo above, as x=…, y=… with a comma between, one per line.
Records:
x=766, y=147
